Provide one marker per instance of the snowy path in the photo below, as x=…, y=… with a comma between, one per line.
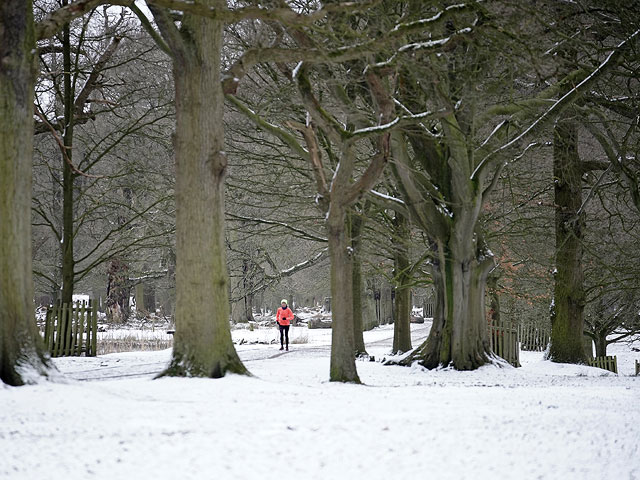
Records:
x=541, y=421
x=138, y=364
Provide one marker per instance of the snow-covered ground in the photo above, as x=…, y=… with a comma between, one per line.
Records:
x=111, y=420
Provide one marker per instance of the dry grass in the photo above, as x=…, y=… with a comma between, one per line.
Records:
x=116, y=342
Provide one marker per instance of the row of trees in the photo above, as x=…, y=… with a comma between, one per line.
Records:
x=372, y=131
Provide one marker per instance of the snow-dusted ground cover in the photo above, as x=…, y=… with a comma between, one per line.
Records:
x=110, y=420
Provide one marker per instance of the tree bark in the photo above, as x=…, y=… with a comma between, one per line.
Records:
x=356, y=223
x=601, y=344
x=567, y=321
x=68, y=176
x=246, y=284
x=202, y=341
x=460, y=259
x=118, y=291
x=402, y=317
x=22, y=357
x=458, y=336
x=343, y=366
x=494, y=302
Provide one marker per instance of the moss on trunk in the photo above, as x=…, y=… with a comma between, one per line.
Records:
x=567, y=322
x=458, y=336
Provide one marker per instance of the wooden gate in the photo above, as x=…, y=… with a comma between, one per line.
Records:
x=503, y=337
x=71, y=331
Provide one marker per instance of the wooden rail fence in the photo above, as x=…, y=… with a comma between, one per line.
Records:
x=71, y=330
x=504, y=341
x=606, y=363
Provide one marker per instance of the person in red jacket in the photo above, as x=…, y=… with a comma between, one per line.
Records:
x=283, y=319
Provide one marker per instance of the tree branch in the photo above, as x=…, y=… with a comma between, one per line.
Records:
x=559, y=105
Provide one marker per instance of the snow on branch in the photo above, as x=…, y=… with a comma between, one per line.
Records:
x=424, y=21
x=149, y=275
x=376, y=128
x=387, y=198
x=396, y=122
x=432, y=43
x=302, y=265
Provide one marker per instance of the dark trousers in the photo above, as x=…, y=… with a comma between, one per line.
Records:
x=284, y=334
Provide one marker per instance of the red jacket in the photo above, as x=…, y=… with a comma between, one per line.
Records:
x=284, y=317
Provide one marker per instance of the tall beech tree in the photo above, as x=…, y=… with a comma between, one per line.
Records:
x=402, y=280
x=202, y=345
x=22, y=358
x=569, y=169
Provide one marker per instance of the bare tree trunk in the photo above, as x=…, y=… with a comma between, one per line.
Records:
x=356, y=223
x=202, y=341
x=494, y=305
x=68, y=176
x=567, y=322
x=601, y=344
x=118, y=291
x=22, y=358
x=149, y=297
x=247, y=286
x=343, y=365
x=402, y=323
x=242, y=309
x=458, y=336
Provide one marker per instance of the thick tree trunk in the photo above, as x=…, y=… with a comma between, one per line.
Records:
x=202, y=341
x=22, y=358
x=358, y=286
x=458, y=335
x=343, y=365
x=567, y=322
x=402, y=323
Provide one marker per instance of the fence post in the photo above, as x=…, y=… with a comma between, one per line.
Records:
x=79, y=329
x=73, y=319
x=57, y=346
x=47, y=329
x=69, y=324
x=94, y=336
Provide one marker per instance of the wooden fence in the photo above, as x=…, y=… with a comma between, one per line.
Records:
x=607, y=363
x=534, y=338
x=71, y=331
x=504, y=341
x=637, y=367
